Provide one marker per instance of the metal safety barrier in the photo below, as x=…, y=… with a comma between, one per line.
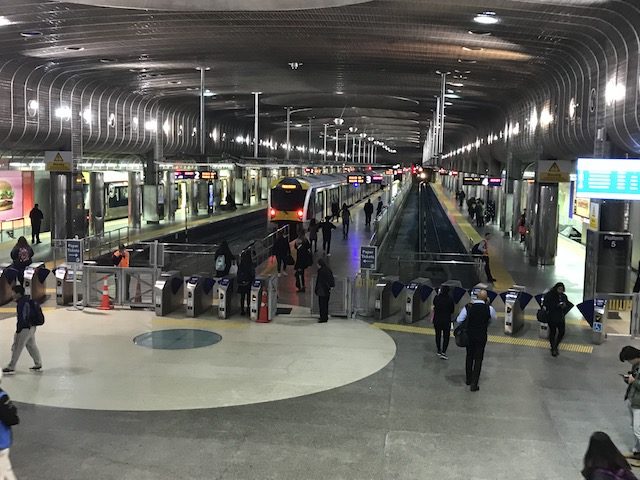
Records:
x=340, y=300
x=131, y=286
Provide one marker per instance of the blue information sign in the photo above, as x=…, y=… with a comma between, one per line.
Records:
x=74, y=251
x=608, y=178
x=368, y=257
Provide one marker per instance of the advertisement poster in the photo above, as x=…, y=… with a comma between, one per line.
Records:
x=10, y=195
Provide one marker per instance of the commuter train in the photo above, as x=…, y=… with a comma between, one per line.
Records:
x=299, y=199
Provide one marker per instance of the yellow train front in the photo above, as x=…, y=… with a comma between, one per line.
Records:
x=298, y=200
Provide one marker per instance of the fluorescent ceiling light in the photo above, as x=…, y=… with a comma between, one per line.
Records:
x=4, y=21
x=486, y=18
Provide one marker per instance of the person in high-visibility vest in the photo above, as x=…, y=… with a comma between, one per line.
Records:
x=120, y=258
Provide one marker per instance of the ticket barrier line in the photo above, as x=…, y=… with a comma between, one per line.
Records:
x=35, y=277
x=8, y=278
x=521, y=342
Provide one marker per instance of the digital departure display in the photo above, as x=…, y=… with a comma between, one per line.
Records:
x=355, y=179
x=495, y=181
x=608, y=178
x=471, y=181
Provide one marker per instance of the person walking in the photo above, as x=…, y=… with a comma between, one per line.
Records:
x=324, y=283
x=483, y=249
x=326, y=228
x=556, y=305
x=246, y=276
x=479, y=214
x=120, y=257
x=461, y=197
x=36, y=217
x=21, y=256
x=304, y=259
x=477, y=316
x=368, y=212
x=281, y=251
x=346, y=220
x=379, y=207
x=443, y=308
x=8, y=418
x=224, y=259
x=471, y=207
x=313, y=234
x=522, y=227
x=632, y=395
x=25, y=336
x=603, y=460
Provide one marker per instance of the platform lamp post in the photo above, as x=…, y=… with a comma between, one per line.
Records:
x=371, y=139
x=324, y=152
x=335, y=151
x=309, y=146
x=289, y=112
x=361, y=136
x=338, y=122
x=353, y=130
x=256, y=142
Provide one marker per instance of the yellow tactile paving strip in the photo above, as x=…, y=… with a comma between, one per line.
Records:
x=459, y=220
x=521, y=342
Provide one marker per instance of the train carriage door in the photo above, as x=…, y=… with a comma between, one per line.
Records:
x=320, y=208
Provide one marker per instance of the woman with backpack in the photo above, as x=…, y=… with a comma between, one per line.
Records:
x=603, y=460
x=21, y=254
x=246, y=276
x=224, y=259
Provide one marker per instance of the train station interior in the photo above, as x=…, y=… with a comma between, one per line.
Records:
x=187, y=185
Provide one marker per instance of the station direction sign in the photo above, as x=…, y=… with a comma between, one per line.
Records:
x=471, y=181
x=368, y=257
x=74, y=252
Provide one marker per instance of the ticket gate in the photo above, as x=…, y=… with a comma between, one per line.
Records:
x=199, y=290
x=168, y=293
x=7, y=281
x=35, y=277
x=514, y=309
x=600, y=314
x=543, y=328
x=418, y=304
x=64, y=285
x=388, y=298
x=269, y=286
x=228, y=299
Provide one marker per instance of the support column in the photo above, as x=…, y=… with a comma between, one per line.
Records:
x=517, y=207
x=60, y=202
x=135, y=200
x=256, y=141
x=194, y=195
x=336, y=152
x=288, y=133
x=202, y=121
x=78, y=213
x=547, y=223
x=150, y=189
x=96, y=203
x=169, y=196
x=532, y=217
x=324, y=156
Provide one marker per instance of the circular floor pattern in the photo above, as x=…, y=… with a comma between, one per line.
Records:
x=177, y=339
x=91, y=363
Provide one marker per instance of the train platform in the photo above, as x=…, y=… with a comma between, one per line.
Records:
x=119, y=229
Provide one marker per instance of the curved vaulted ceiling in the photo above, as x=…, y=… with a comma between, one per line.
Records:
x=372, y=63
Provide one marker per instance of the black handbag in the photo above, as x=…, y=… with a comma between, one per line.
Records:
x=289, y=260
x=542, y=315
x=461, y=335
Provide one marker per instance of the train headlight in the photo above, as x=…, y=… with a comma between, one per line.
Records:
x=272, y=212
x=300, y=214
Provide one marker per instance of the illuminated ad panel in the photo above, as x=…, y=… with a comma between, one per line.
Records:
x=608, y=178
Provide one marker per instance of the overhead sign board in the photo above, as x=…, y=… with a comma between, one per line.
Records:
x=58, y=161
x=608, y=178
x=443, y=171
x=471, y=181
x=368, y=257
x=209, y=175
x=554, y=171
x=377, y=178
x=355, y=179
x=495, y=182
x=186, y=175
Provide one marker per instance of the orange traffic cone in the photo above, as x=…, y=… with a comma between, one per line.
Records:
x=263, y=312
x=137, y=298
x=105, y=303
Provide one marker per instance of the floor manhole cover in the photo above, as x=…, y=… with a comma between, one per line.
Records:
x=177, y=339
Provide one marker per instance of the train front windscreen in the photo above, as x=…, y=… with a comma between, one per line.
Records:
x=287, y=200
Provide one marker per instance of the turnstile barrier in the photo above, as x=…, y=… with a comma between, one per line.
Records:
x=417, y=303
x=199, y=294
x=228, y=302
x=268, y=285
x=515, y=301
x=35, y=277
x=168, y=292
x=388, y=298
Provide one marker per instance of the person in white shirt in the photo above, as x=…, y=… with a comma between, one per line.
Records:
x=477, y=316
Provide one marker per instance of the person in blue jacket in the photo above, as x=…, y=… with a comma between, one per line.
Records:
x=8, y=418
